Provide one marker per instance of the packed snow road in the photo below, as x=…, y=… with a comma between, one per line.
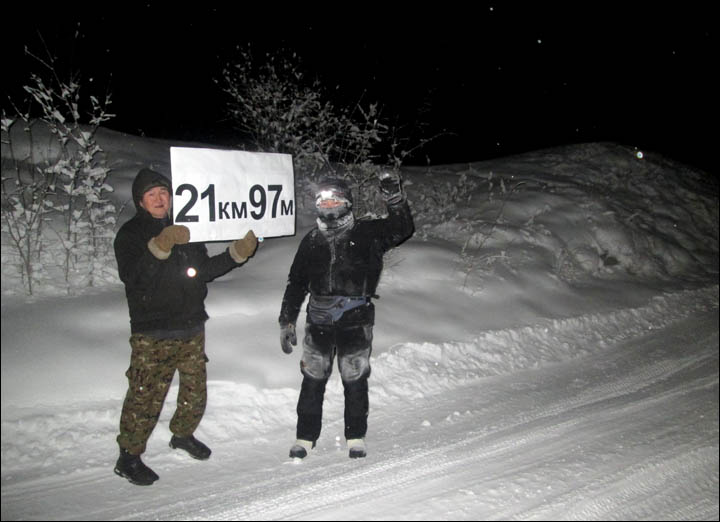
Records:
x=627, y=434
x=626, y=431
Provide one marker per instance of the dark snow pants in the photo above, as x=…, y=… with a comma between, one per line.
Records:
x=352, y=345
x=152, y=367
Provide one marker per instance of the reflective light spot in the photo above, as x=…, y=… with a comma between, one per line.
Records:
x=639, y=155
x=191, y=272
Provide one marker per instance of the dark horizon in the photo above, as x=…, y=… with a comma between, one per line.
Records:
x=494, y=81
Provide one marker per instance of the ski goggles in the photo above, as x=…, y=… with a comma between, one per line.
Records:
x=331, y=199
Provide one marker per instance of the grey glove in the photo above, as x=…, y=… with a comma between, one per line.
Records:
x=391, y=187
x=288, y=338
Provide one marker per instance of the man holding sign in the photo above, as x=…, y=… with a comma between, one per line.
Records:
x=339, y=263
x=165, y=280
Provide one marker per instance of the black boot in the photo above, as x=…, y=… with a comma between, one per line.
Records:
x=194, y=447
x=132, y=468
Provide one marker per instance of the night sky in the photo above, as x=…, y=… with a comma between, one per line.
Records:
x=495, y=80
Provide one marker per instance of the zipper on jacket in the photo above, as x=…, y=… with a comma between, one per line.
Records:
x=331, y=271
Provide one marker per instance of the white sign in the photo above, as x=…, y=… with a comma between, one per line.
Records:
x=222, y=194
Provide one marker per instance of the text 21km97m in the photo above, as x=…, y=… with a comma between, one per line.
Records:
x=257, y=198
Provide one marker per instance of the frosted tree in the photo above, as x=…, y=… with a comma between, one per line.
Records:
x=26, y=203
x=55, y=206
x=277, y=109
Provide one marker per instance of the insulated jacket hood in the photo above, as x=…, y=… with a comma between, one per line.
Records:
x=145, y=180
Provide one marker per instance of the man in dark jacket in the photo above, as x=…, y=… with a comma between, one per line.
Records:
x=339, y=263
x=165, y=280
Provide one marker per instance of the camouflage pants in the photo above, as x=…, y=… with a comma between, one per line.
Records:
x=152, y=366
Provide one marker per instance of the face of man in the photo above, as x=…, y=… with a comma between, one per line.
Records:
x=157, y=202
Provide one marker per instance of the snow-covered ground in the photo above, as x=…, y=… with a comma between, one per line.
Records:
x=546, y=348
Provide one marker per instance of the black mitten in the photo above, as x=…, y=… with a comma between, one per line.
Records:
x=391, y=187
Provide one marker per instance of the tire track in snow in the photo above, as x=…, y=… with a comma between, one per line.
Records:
x=645, y=489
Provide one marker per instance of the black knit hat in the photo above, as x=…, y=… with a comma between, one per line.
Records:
x=145, y=180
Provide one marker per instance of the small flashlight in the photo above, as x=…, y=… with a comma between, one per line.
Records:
x=191, y=272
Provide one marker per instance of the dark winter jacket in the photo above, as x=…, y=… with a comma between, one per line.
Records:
x=161, y=295
x=345, y=264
